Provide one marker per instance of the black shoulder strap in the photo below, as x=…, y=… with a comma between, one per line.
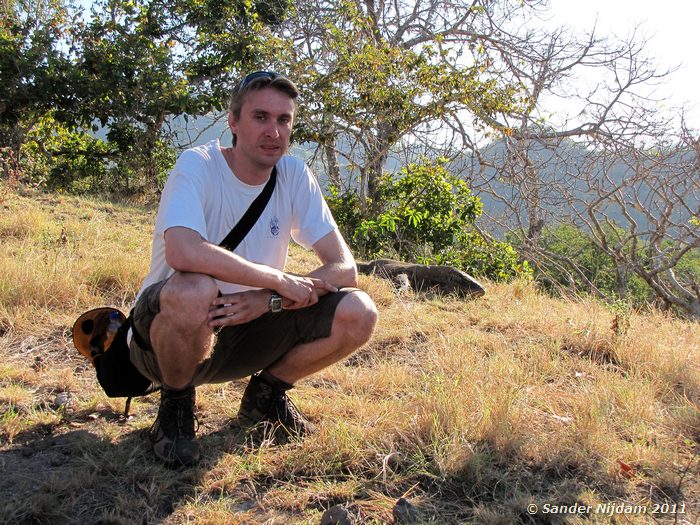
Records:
x=252, y=214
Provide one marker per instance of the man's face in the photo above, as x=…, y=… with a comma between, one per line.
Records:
x=264, y=127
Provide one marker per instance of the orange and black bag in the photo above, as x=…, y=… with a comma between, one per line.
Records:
x=101, y=336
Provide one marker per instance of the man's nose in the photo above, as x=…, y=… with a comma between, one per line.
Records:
x=272, y=130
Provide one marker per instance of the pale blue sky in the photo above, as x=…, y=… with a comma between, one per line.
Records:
x=671, y=28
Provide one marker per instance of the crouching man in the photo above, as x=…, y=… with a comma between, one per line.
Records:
x=205, y=314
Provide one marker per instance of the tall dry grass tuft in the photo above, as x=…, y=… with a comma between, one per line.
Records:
x=470, y=410
x=67, y=254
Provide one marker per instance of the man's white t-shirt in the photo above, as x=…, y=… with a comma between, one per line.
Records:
x=203, y=194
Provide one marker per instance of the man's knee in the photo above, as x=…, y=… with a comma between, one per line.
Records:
x=188, y=294
x=357, y=316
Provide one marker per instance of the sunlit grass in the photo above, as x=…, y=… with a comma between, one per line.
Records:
x=63, y=254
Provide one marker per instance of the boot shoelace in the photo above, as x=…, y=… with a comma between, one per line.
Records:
x=176, y=417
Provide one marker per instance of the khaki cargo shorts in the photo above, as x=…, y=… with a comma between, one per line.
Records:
x=241, y=350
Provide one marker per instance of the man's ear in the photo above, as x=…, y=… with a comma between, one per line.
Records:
x=231, y=120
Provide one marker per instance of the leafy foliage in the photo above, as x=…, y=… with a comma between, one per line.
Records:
x=125, y=72
x=578, y=263
x=425, y=214
x=66, y=158
x=36, y=72
x=370, y=81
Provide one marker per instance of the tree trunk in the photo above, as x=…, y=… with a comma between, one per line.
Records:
x=332, y=168
x=377, y=154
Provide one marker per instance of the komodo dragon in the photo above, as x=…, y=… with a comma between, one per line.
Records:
x=443, y=279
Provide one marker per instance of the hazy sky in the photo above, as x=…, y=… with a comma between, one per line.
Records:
x=672, y=29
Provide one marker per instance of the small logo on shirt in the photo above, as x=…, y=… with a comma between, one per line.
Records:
x=275, y=226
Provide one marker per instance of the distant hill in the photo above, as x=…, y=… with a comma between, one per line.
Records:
x=568, y=167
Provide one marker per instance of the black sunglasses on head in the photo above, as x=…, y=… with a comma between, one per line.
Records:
x=257, y=74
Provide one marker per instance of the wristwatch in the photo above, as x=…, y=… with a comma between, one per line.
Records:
x=275, y=302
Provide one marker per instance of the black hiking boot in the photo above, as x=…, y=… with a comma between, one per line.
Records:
x=173, y=432
x=266, y=406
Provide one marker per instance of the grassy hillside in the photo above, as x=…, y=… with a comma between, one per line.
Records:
x=472, y=411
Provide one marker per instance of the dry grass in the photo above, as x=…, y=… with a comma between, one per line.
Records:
x=471, y=410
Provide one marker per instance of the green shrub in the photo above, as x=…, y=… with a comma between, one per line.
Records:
x=73, y=160
x=424, y=215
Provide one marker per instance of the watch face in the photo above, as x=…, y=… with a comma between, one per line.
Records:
x=275, y=303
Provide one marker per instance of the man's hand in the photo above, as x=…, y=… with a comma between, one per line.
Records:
x=243, y=307
x=238, y=308
x=301, y=292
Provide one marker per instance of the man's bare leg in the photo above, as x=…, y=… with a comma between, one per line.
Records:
x=265, y=401
x=179, y=334
x=180, y=339
x=353, y=324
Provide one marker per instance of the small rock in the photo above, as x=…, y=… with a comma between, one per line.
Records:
x=404, y=512
x=402, y=283
x=62, y=400
x=336, y=515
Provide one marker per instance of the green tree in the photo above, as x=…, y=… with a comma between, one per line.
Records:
x=576, y=263
x=379, y=75
x=128, y=70
x=144, y=63
x=36, y=71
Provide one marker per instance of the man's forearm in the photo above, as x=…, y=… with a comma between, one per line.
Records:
x=221, y=264
x=339, y=274
x=186, y=251
x=337, y=262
